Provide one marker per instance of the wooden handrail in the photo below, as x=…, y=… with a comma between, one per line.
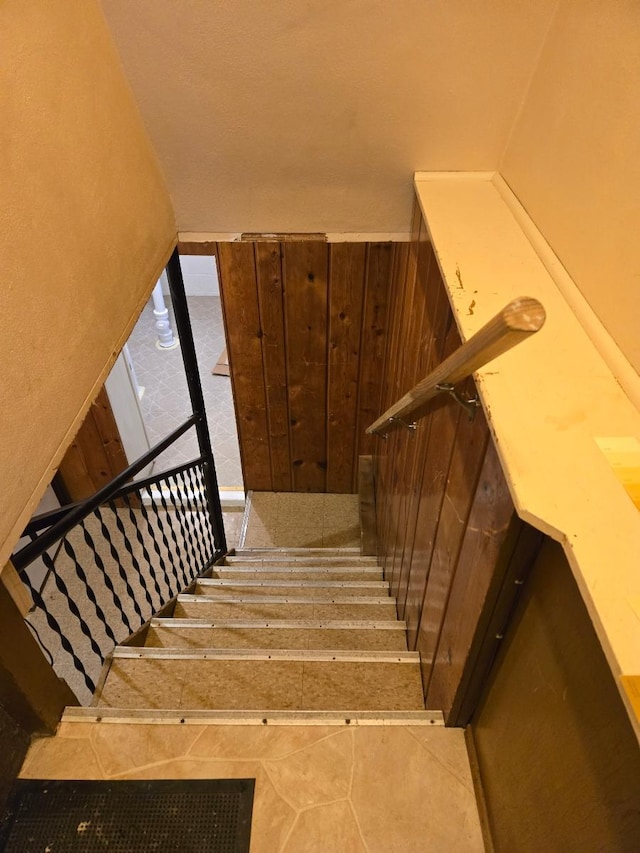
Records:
x=517, y=321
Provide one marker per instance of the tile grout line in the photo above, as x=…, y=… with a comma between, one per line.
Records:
x=358, y=825
x=263, y=763
x=440, y=762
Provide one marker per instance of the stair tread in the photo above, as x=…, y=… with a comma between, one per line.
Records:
x=273, y=607
x=263, y=684
x=297, y=573
x=276, y=638
x=346, y=587
x=301, y=561
x=321, y=588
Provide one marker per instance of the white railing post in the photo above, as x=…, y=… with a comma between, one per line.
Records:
x=164, y=331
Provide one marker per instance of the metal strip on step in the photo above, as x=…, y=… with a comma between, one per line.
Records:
x=151, y=716
x=310, y=559
x=305, y=655
x=302, y=561
x=279, y=584
x=290, y=557
x=303, y=624
x=283, y=599
x=352, y=551
x=298, y=570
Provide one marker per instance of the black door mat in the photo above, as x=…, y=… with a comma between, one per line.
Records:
x=186, y=816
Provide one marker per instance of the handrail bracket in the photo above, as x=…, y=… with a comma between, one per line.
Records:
x=412, y=427
x=469, y=404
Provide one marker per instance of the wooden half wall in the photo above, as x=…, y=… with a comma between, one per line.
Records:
x=451, y=545
x=306, y=324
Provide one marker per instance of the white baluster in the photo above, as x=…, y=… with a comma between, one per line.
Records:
x=166, y=338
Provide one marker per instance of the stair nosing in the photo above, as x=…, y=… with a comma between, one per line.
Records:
x=319, y=570
x=339, y=717
x=311, y=560
x=301, y=549
x=311, y=624
x=352, y=551
x=282, y=599
x=301, y=584
x=308, y=655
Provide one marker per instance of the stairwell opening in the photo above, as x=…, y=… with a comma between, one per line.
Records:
x=156, y=373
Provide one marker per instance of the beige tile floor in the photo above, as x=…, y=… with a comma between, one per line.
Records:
x=294, y=520
x=319, y=789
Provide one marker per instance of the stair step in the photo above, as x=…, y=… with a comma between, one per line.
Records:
x=296, y=552
x=331, y=573
x=284, y=607
x=320, y=589
x=278, y=634
x=340, y=562
x=259, y=684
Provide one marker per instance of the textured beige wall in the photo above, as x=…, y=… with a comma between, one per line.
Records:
x=85, y=227
x=312, y=115
x=574, y=157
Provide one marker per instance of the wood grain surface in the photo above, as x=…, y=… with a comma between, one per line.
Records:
x=96, y=454
x=517, y=321
x=442, y=504
x=237, y=268
x=306, y=324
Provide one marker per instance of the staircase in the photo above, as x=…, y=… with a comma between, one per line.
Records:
x=278, y=632
x=290, y=668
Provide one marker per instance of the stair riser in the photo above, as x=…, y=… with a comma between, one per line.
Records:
x=264, y=685
x=280, y=638
x=248, y=610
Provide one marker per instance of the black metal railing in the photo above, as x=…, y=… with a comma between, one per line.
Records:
x=113, y=560
x=118, y=564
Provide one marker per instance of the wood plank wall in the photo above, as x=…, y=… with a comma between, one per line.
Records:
x=445, y=518
x=306, y=324
x=96, y=454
